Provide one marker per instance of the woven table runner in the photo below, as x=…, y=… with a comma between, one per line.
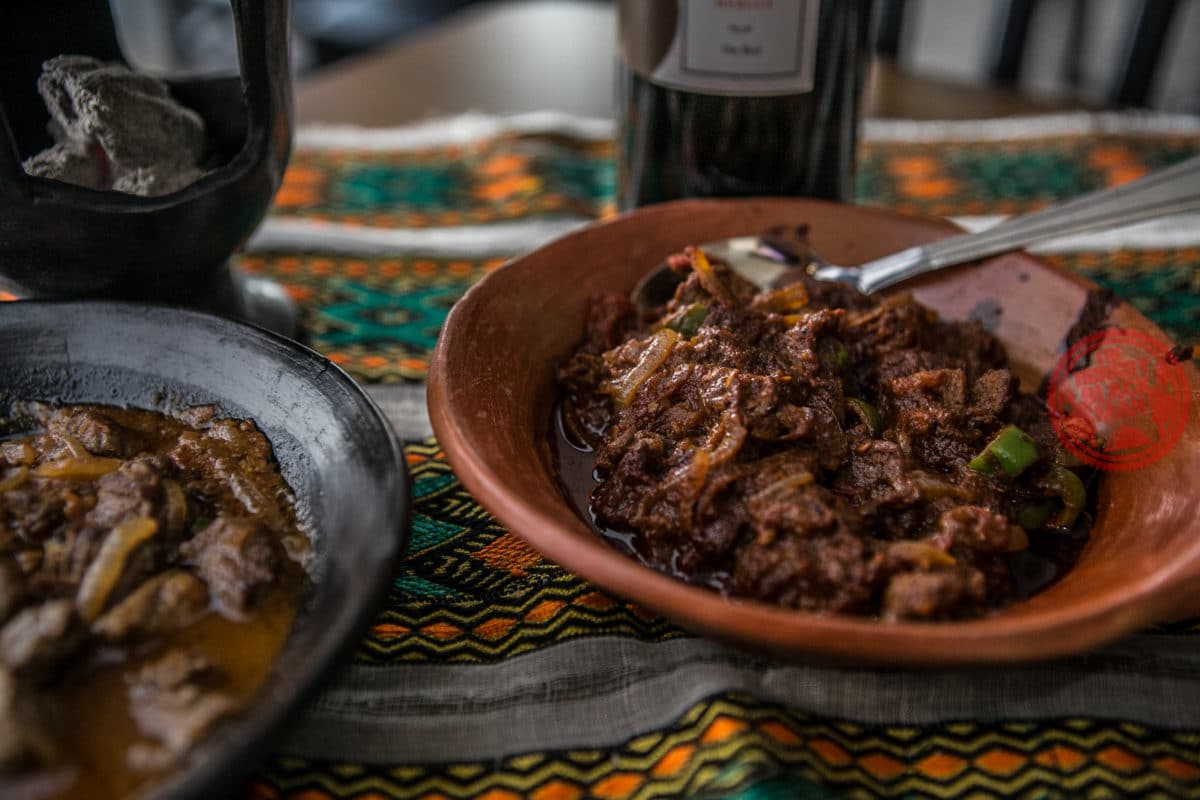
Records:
x=490, y=672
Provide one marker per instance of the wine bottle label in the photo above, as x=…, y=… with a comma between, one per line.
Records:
x=743, y=47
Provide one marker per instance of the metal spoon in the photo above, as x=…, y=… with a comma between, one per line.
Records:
x=764, y=259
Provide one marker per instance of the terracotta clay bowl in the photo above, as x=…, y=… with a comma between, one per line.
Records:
x=491, y=397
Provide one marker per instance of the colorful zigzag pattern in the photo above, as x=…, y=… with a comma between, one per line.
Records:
x=728, y=745
x=469, y=592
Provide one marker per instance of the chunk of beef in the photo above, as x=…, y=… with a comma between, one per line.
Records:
x=135, y=491
x=718, y=347
x=971, y=531
x=168, y=601
x=235, y=455
x=673, y=402
x=790, y=506
x=33, y=511
x=780, y=498
x=730, y=286
x=968, y=345
x=830, y=441
x=928, y=409
x=952, y=574
x=99, y=433
x=941, y=594
x=776, y=536
x=901, y=363
x=788, y=423
x=38, y=639
x=895, y=323
x=831, y=572
x=175, y=700
x=731, y=400
x=610, y=317
x=629, y=466
x=799, y=347
x=876, y=479
x=991, y=395
x=237, y=558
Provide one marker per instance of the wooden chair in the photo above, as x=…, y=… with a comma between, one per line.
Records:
x=1136, y=65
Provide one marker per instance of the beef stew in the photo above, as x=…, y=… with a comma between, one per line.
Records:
x=150, y=570
x=817, y=449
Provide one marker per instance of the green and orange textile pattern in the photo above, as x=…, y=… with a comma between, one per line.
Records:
x=471, y=599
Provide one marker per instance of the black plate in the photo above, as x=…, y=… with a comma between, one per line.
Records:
x=334, y=447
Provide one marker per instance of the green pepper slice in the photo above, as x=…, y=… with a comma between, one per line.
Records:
x=1067, y=486
x=867, y=413
x=1012, y=451
x=689, y=320
x=833, y=355
x=1033, y=515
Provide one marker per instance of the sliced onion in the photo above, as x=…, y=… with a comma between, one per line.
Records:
x=709, y=279
x=106, y=568
x=14, y=480
x=176, y=509
x=17, y=453
x=931, y=488
x=625, y=386
x=1018, y=540
x=867, y=413
x=784, y=300
x=73, y=445
x=726, y=437
x=84, y=468
x=920, y=554
x=796, y=481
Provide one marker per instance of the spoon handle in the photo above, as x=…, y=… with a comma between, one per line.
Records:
x=1169, y=191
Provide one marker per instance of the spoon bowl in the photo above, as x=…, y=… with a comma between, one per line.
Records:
x=765, y=260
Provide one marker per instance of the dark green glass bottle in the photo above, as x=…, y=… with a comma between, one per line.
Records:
x=720, y=98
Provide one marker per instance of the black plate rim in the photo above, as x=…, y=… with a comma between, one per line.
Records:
x=224, y=760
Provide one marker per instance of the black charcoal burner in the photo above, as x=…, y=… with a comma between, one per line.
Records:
x=59, y=240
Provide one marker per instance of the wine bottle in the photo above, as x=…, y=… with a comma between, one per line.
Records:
x=739, y=97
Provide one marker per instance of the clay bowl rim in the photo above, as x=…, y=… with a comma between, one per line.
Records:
x=1104, y=615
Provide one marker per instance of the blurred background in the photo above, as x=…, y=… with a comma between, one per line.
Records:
x=1101, y=52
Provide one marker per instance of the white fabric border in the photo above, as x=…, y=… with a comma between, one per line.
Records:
x=500, y=239
x=460, y=129
x=597, y=692
x=511, y=238
x=1147, y=123
x=474, y=126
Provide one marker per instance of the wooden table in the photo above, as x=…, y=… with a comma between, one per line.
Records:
x=508, y=57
